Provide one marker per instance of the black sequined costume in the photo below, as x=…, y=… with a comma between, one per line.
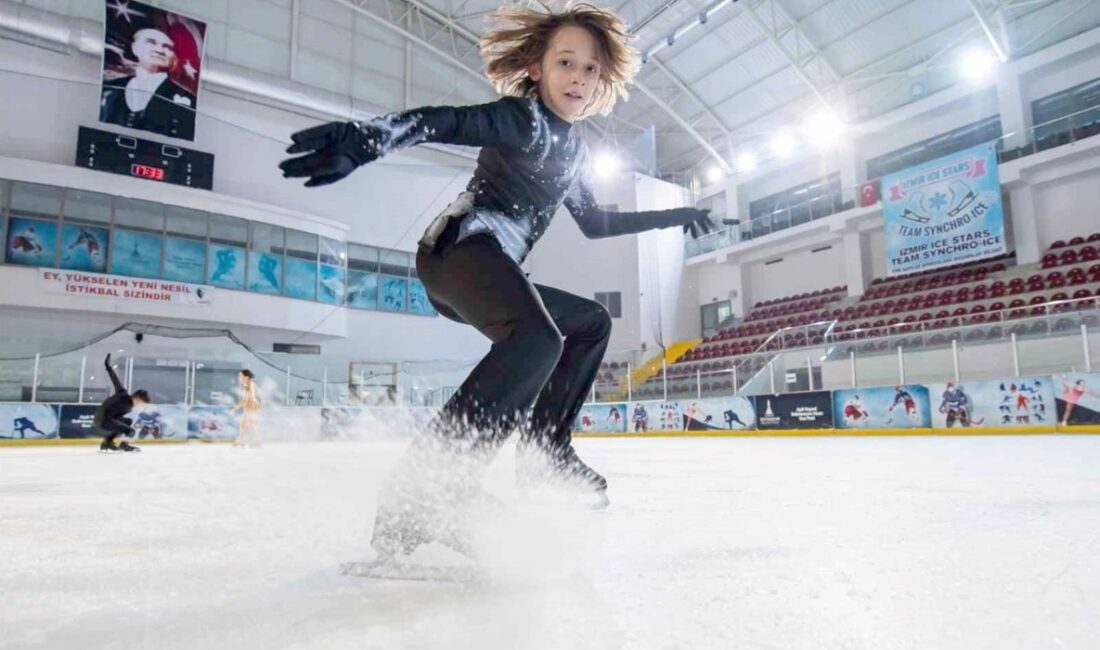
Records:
x=547, y=343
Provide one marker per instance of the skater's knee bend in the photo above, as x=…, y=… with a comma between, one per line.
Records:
x=546, y=341
x=601, y=322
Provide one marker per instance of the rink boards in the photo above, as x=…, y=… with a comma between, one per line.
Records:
x=1020, y=405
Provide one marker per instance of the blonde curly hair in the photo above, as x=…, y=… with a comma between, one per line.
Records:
x=520, y=36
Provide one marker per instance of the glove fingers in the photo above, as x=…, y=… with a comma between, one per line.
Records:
x=309, y=165
x=313, y=138
x=327, y=179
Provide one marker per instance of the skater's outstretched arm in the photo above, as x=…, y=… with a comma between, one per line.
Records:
x=597, y=223
x=119, y=388
x=334, y=150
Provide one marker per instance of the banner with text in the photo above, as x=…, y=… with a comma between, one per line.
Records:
x=795, y=411
x=78, y=283
x=944, y=212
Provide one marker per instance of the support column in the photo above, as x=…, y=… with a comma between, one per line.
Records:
x=853, y=168
x=1015, y=113
x=1025, y=228
x=733, y=206
x=857, y=263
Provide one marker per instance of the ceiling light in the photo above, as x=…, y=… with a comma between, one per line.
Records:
x=824, y=128
x=605, y=164
x=746, y=162
x=782, y=144
x=977, y=65
x=714, y=174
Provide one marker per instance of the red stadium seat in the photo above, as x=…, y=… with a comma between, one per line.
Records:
x=1058, y=244
x=1077, y=241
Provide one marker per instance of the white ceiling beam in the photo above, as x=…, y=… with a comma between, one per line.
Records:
x=806, y=53
x=690, y=130
x=986, y=22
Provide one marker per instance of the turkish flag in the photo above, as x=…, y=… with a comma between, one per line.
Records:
x=868, y=194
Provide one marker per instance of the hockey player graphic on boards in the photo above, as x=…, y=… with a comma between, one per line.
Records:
x=956, y=406
x=854, y=411
x=587, y=421
x=23, y=424
x=614, y=417
x=731, y=417
x=904, y=399
x=640, y=418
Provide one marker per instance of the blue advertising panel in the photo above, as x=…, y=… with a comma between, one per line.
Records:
x=31, y=242
x=265, y=272
x=225, y=266
x=393, y=293
x=603, y=418
x=136, y=254
x=211, y=422
x=184, y=259
x=159, y=421
x=718, y=414
x=882, y=407
x=332, y=285
x=28, y=421
x=418, y=299
x=362, y=290
x=944, y=212
x=84, y=248
x=1016, y=402
x=301, y=279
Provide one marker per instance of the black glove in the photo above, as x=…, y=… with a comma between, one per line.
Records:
x=699, y=223
x=332, y=150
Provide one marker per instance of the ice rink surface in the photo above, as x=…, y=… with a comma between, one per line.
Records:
x=883, y=543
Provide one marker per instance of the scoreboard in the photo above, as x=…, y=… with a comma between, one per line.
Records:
x=155, y=161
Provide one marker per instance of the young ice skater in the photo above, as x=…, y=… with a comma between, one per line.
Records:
x=249, y=407
x=554, y=70
x=110, y=417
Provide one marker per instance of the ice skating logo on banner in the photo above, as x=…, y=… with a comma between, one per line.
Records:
x=882, y=407
x=601, y=418
x=1078, y=398
x=1016, y=402
x=944, y=212
x=27, y=422
x=795, y=411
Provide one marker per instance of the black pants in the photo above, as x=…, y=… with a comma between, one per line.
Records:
x=112, y=429
x=547, y=346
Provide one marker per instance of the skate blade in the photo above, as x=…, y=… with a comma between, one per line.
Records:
x=411, y=572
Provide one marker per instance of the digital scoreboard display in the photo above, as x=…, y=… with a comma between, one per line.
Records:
x=155, y=161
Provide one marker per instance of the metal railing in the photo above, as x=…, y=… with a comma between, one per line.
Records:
x=794, y=358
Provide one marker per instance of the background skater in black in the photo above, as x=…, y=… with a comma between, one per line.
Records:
x=110, y=418
x=547, y=343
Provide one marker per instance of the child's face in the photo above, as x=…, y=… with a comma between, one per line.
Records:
x=569, y=72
